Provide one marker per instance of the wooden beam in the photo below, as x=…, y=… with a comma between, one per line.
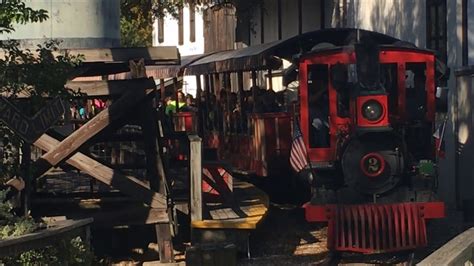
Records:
x=162, y=89
x=270, y=80
x=74, y=141
x=115, y=55
x=165, y=244
x=109, y=87
x=195, y=176
x=240, y=84
x=152, y=55
x=128, y=185
x=155, y=170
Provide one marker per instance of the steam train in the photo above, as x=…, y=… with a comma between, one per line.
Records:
x=367, y=111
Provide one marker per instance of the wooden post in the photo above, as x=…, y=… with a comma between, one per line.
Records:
x=254, y=78
x=195, y=176
x=200, y=115
x=240, y=84
x=175, y=86
x=26, y=175
x=206, y=102
x=226, y=109
x=254, y=84
x=155, y=171
x=270, y=80
x=162, y=89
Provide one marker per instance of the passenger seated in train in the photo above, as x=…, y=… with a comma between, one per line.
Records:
x=319, y=115
x=190, y=105
x=265, y=100
x=269, y=100
x=170, y=103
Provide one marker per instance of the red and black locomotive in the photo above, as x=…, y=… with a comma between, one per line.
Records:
x=367, y=116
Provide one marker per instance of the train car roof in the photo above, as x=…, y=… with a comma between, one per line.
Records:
x=267, y=55
x=171, y=71
x=403, y=46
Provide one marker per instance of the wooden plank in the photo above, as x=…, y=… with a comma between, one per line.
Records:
x=458, y=251
x=74, y=141
x=152, y=55
x=165, y=244
x=248, y=210
x=250, y=223
x=126, y=184
x=109, y=87
x=40, y=239
x=195, y=168
x=138, y=215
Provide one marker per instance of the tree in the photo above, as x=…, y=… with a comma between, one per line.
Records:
x=136, y=23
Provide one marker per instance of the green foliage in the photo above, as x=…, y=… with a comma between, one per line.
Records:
x=15, y=11
x=136, y=23
x=66, y=252
x=11, y=225
x=9, y=165
x=35, y=75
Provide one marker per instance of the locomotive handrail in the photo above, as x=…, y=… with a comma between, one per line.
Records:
x=458, y=251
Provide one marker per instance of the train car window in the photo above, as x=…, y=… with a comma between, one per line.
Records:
x=339, y=81
x=389, y=79
x=415, y=82
x=318, y=102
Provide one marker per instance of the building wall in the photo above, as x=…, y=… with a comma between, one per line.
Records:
x=281, y=20
x=403, y=19
x=188, y=47
x=78, y=23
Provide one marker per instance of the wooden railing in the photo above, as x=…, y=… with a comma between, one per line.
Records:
x=458, y=251
x=54, y=233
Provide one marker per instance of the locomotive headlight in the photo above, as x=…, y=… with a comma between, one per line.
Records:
x=372, y=110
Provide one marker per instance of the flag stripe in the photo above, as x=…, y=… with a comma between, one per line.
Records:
x=298, y=153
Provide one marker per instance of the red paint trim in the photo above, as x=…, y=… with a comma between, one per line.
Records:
x=406, y=227
x=379, y=158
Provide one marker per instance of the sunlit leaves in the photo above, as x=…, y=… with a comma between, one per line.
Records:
x=15, y=11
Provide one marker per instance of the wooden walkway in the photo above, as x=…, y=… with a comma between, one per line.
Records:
x=245, y=210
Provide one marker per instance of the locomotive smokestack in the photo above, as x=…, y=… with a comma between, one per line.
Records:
x=368, y=65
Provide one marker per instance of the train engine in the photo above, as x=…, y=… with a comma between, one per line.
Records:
x=367, y=114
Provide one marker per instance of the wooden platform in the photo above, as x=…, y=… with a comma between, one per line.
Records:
x=245, y=210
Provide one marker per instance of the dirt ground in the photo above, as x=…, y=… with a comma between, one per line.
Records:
x=285, y=238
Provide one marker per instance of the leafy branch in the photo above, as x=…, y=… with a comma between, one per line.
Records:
x=15, y=11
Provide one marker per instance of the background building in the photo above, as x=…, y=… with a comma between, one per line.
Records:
x=78, y=24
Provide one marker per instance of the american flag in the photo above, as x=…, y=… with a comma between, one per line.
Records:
x=298, y=153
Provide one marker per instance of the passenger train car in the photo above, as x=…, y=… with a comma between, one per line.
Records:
x=367, y=112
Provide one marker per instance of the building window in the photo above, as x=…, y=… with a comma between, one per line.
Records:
x=180, y=26
x=161, y=30
x=192, y=22
x=436, y=24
